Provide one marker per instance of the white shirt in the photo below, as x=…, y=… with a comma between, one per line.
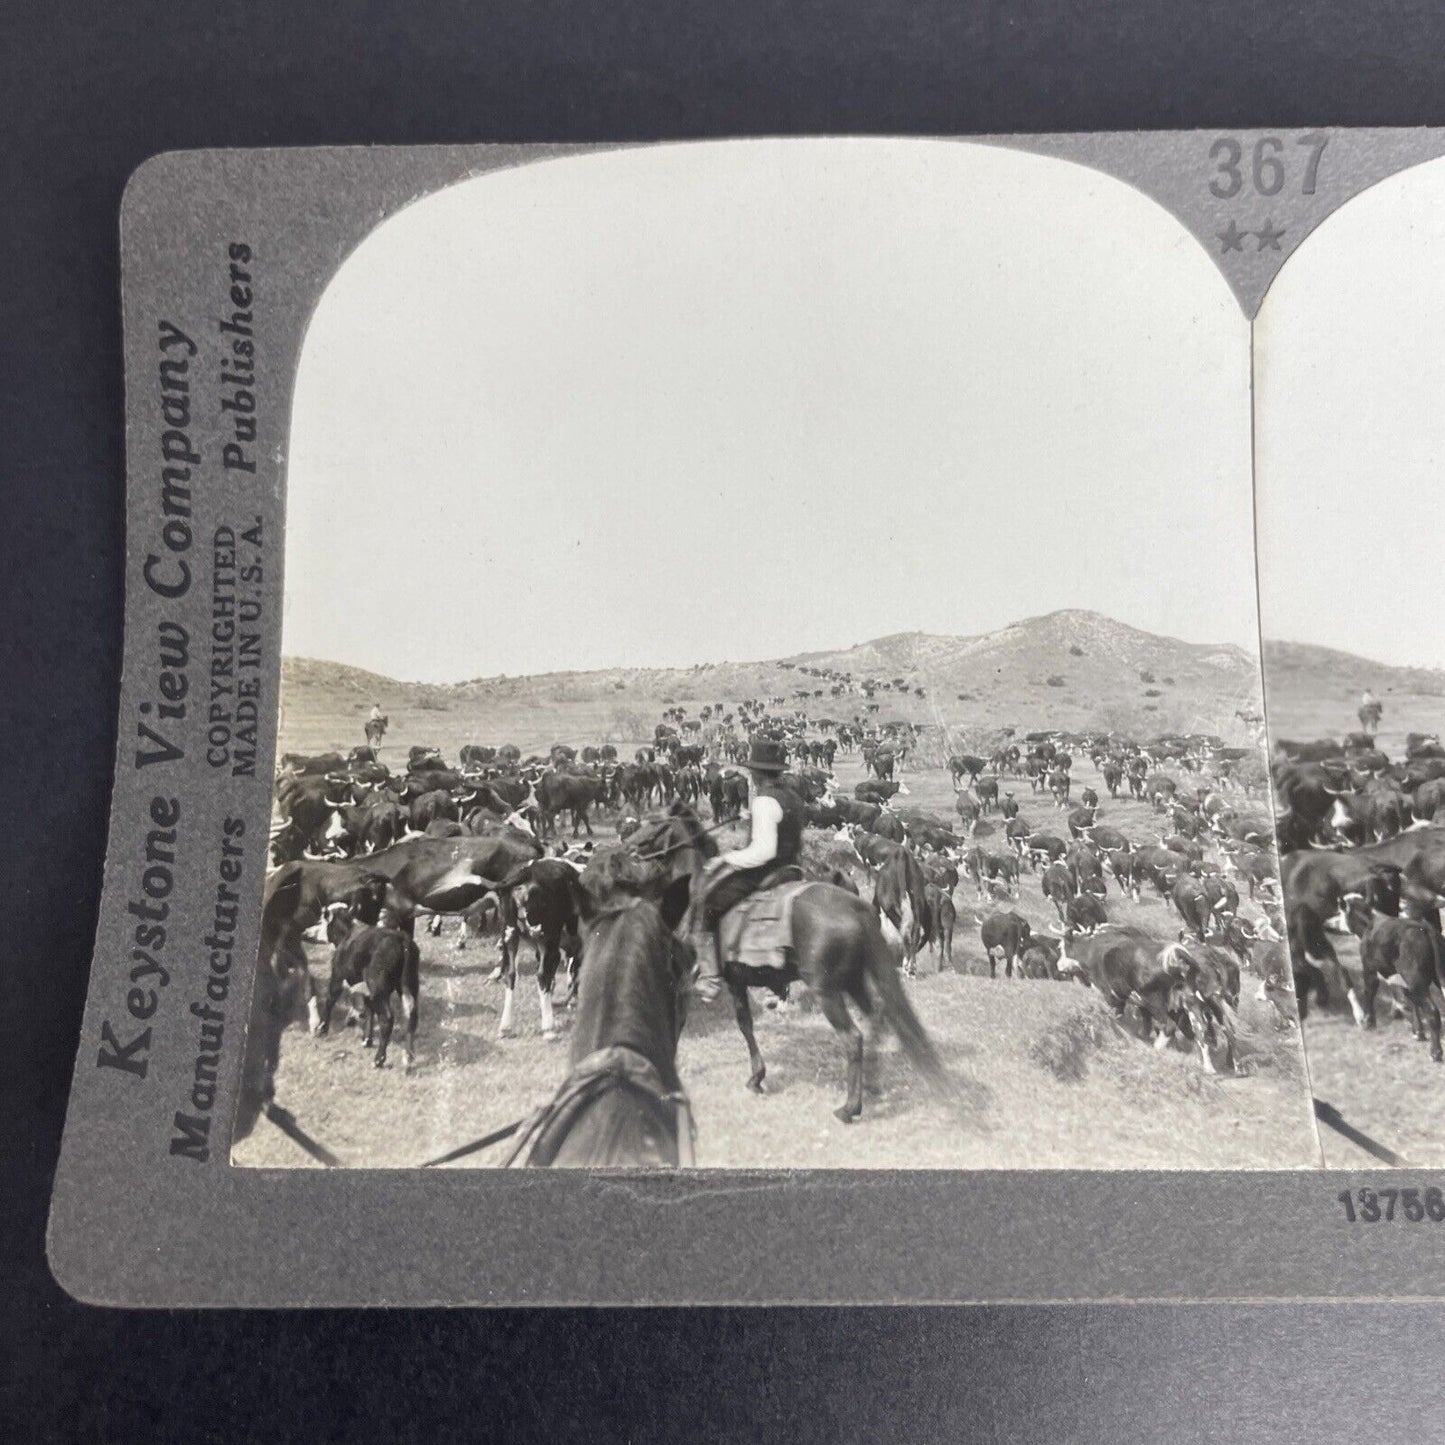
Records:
x=762, y=847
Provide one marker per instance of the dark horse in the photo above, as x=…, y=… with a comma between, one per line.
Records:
x=838, y=951
x=622, y=1103
x=376, y=730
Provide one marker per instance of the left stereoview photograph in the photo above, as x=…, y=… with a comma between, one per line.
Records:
x=749, y=695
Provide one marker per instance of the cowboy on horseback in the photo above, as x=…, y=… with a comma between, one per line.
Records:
x=375, y=725
x=1371, y=710
x=775, y=841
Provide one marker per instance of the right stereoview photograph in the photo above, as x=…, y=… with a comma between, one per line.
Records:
x=1350, y=450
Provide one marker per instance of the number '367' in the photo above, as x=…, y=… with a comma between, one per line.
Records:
x=1267, y=165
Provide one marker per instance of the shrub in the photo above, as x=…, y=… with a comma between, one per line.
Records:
x=1168, y=682
x=1055, y=681
x=1075, y=650
x=431, y=704
x=624, y=725
x=1065, y=1048
x=1145, y=675
x=1152, y=692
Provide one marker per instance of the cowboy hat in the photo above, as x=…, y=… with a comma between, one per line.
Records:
x=767, y=756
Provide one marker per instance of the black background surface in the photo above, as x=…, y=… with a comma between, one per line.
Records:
x=87, y=91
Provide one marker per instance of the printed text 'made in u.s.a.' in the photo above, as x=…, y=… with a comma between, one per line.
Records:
x=233, y=709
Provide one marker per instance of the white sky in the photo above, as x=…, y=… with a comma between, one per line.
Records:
x=740, y=400
x=1350, y=378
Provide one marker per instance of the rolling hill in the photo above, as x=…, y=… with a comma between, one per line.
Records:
x=1068, y=669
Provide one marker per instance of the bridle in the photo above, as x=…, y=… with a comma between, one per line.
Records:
x=285, y=1120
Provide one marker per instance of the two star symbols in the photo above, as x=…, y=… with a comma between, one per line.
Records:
x=1266, y=238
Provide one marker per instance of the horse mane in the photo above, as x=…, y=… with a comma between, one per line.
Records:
x=615, y=907
x=629, y=1002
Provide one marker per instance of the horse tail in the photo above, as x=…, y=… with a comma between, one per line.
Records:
x=1437, y=948
x=897, y=1011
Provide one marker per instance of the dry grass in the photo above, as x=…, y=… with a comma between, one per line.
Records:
x=1044, y=1078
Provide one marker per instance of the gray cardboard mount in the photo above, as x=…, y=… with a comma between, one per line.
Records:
x=134, y=1224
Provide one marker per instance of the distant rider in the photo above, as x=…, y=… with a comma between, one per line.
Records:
x=775, y=840
x=1371, y=711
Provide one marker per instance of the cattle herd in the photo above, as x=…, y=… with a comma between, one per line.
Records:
x=1363, y=854
x=1167, y=918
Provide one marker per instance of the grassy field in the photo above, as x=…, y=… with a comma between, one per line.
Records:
x=1381, y=1081
x=1045, y=1080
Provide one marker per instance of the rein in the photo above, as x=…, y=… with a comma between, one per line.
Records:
x=688, y=842
x=477, y=1145
x=285, y=1121
x=581, y=1081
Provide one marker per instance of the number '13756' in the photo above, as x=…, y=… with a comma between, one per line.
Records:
x=1367, y=1206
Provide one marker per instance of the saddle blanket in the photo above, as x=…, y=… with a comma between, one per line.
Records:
x=758, y=933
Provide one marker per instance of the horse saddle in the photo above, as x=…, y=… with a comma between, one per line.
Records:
x=758, y=932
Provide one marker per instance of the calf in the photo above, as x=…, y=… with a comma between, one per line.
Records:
x=942, y=916
x=1004, y=868
x=969, y=810
x=1046, y=848
x=1195, y=904
x=1004, y=936
x=1084, y=913
x=1410, y=950
x=1088, y=872
x=875, y=790
x=1107, y=839
x=1160, y=867
x=377, y=963
x=1059, y=784
x=1126, y=875
x=1256, y=867
x=1040, y=958
x=1057, y=885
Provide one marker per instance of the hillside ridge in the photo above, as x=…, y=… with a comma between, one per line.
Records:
x=1069, y=668
x=1097, y=637
x=1287, y=660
